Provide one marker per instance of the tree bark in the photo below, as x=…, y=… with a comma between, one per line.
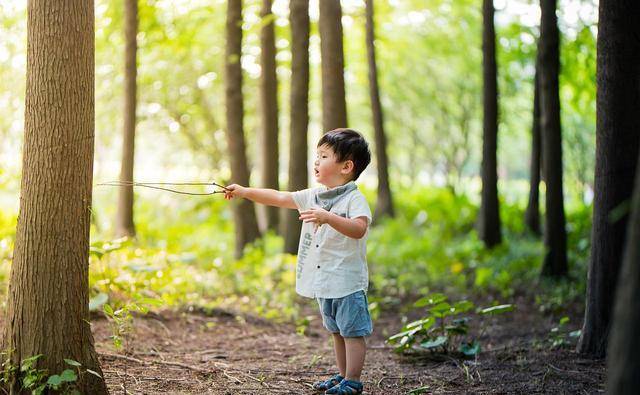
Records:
x=298, y=174
x=269, y=107
x=555, y=236
x=532, y=214
x=334, y=105
x=489, y=216
x=48, y=301
x=124, y=218
x=244, y=216
x=617, y=150
x=384, y=205
x=622, y=361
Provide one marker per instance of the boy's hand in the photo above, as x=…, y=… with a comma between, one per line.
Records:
x=234, y=190
x=316, y=215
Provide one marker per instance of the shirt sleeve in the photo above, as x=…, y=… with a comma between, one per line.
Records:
x=358, y=207
x=304, y=198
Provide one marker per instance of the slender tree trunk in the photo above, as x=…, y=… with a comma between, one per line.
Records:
x=489, y=216
x=48, y=302
x=532, y=215
x=269, y=108
x=244, y=216
x=555, y=236
x=384, y=205
x=617, y=149
x=124, y=220
x=334, y=105
x=299, y=20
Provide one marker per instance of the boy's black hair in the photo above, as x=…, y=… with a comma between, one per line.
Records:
x=348, y=144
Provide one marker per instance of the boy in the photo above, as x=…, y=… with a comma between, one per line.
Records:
x=332, y=264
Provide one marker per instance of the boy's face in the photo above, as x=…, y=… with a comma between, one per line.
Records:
x=328, y=171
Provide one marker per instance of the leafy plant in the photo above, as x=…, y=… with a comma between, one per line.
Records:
x=37, y=381
x=560, y=336
x=122, y=320
x=443, y=327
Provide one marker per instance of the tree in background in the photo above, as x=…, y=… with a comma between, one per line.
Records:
x=269, y=109
x=48, y=302
x=489, y=215
x=617, y=148
x=532, y=214
x=124, y=217
x=334, y=105
x=555, y=236
x=244, y=216
x=299, y=102
x=384, y=204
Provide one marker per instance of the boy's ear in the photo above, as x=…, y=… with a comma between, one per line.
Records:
x=347, y=166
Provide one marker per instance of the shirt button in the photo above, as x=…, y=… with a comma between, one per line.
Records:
x=317, y=245
x=318, y=266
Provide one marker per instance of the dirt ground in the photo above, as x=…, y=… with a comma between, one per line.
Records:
x=225, y=353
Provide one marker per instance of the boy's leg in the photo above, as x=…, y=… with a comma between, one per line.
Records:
x=356, y=349
x=339, y=348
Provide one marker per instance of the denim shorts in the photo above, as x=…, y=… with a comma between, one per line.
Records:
x=348, y=315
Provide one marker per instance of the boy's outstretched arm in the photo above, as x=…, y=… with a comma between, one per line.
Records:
x=270, y=197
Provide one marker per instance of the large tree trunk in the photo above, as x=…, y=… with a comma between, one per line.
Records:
x=244, y=216
x=617, y=147
x=298, y=174
x=555, y=236
x=489, y=216
x=124, y=219
x=269, y=109
x=622, y=355
x=384, y=205
x=532, y=214
x=48, y=302
x=334, y=105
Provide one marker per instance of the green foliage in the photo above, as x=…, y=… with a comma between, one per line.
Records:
x=37, y=381
x=122, y=320
x=561, y=337
x=432, y=244
x=444, y=326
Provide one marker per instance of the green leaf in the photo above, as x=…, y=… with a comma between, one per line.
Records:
x=72, y=362
x=402, y=334
x=575, y=333
x=97, y=252
x=470, y=349
x=424, y=323
x=93, y=372
x=27, y=363
x=39, y=390
x=54, y=381
x=108, y=310
x=564, y=320
x=420, y=390
x=430, y=300
x=150, y=301
x=503, y=308
x=97, y=301
x=267, y=19
x=457, y=329
x=441, y=309
x=437, y=342
x=463, y=306
x=68, y=376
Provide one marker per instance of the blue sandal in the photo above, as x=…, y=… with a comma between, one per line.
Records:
x=346, y=387
x=327, y=384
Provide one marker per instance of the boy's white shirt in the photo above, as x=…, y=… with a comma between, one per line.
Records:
x=330, y=264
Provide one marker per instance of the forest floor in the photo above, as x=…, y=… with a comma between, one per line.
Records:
x=224, y=353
